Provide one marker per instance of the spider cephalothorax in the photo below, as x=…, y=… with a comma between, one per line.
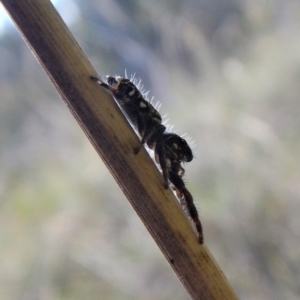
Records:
x=170, y=149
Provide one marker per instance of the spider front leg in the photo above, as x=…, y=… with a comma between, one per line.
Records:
x=100, y=82
x=105, y=85
x=186, y=200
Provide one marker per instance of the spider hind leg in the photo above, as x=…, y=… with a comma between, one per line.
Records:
x=187, y=202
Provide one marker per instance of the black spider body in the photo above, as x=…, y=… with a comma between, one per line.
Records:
x=169, y=148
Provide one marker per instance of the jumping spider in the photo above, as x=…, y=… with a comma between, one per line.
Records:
x=170, y=149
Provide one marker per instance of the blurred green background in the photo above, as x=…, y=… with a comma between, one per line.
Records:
x=227, y=74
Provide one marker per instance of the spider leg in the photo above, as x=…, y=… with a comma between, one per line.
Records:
x=180, y=171
x=193, y=213
x=96, y=79
x=150, y=134
x=103, y=84
x=141, y=127
x=186, y=200
x=160, y=157
x=153, y=135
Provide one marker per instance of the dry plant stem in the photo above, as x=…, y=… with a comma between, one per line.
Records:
x=113, y=138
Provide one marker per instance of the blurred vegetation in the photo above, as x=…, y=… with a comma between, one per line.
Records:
x=227, y=74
